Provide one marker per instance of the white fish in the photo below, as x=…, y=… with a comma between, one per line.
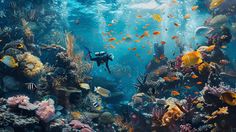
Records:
x=84, y=86
x=102, y=91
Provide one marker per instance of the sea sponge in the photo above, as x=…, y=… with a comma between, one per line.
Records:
x=171, y=115
x=32, y=65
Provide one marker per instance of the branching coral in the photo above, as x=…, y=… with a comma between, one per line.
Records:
x=31, y=64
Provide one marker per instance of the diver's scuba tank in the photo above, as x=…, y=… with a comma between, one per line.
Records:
x=101, y=53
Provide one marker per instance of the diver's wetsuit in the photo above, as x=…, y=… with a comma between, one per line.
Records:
x=101, y=58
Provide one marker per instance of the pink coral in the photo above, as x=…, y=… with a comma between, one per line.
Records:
x=78, y=125
x=17, y=100
x=46, y=110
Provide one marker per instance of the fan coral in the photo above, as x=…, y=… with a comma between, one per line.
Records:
x=32, y=64
x=70, y=44
x=46, y=110
x=171, y=115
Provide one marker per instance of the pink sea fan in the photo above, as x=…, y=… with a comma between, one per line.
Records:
x=46, y=110
x=18, y=100
x=76, y=124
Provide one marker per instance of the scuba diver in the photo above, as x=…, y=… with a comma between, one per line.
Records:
x=101, y=57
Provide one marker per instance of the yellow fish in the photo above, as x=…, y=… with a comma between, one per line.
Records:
x=102, y=91
x=229, y=98
x=206, y=48
x=215, y=3
x=191, y=59
x=157, y=17
x=9, y=61
x=84, y=86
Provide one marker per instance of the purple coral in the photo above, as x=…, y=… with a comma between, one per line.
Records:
x=76, y=124
x=46, y=110
x=187, y=128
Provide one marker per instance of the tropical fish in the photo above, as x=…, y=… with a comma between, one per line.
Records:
x=223, y=47
x=112, y=46
x=102, y=91
x=215, y=3
x=175, y=93
x=194, y=76
x=163, y=42
x=191, y=59
x=111, y=39
x=176, y=24
x=229, y=98
x=109, y=25
x=195, y=8
x=145, y=34
x=199, y=83
x=167, y=79
x=139, y=16
x=157, y=17
x=137, y=41
x=20, y=46
x=206, y=48
x=162, y=57
x=156, y=33
x=224, y=62
x=84, y=86
x=174, y=37
x=187, y=16
x=187, y=87
x=9, y=61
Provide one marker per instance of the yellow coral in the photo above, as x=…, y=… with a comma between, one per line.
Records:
x=32, y=64
x=172, y=114
x=220, y=111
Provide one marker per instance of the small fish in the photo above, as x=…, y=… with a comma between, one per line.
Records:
x=156, y=33
x=175, y=93
x=157, y=17
x=199, y=83
x=195, y=8
x=187, y=87
x=139, y=16
x=224, y=62
x=84, y=86
x=112, y=46
x=111, y=39
x=170, y=16
x=9, y=61
x=223, y=47
x=187, y=16
x=167, y=79
x=102, y=91
x=176, y=24
x=134, y=49
x=145, y=34
x=109, y=25
x=196, y=93
x=194, y=76
x=20, y=46
x=174, y=37
x=174, y=78
x=215, y=3
x=163, y=42
x=162, y=57
x=137, y=41
x=191, y=59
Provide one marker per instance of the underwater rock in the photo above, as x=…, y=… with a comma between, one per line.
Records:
x=106, y=118
x=10, y=83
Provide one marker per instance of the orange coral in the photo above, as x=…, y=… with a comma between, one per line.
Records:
x=70, y=44
x=27, y=30
x=172, y=114
x=220, y=111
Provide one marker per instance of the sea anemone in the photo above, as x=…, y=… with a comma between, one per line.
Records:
x=32, y=64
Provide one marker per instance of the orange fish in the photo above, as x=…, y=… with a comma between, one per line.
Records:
x=145, y=34
x=194, y=8
x=137, y=41
x=174, y=37
x=162, y=57
x=194, y=76
x=196, y=93
x=175, y=93
x=187, y=16
x=112, y=46
x=187, y=87
x=174, y=78
x=109, y=25
x=134, y=49
x=156, y=33
x=176, y=24
x=163, y=42
x=139, y=16
x=111, y=39
x=167, y=79
x=199, y=83
x=224, y=62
